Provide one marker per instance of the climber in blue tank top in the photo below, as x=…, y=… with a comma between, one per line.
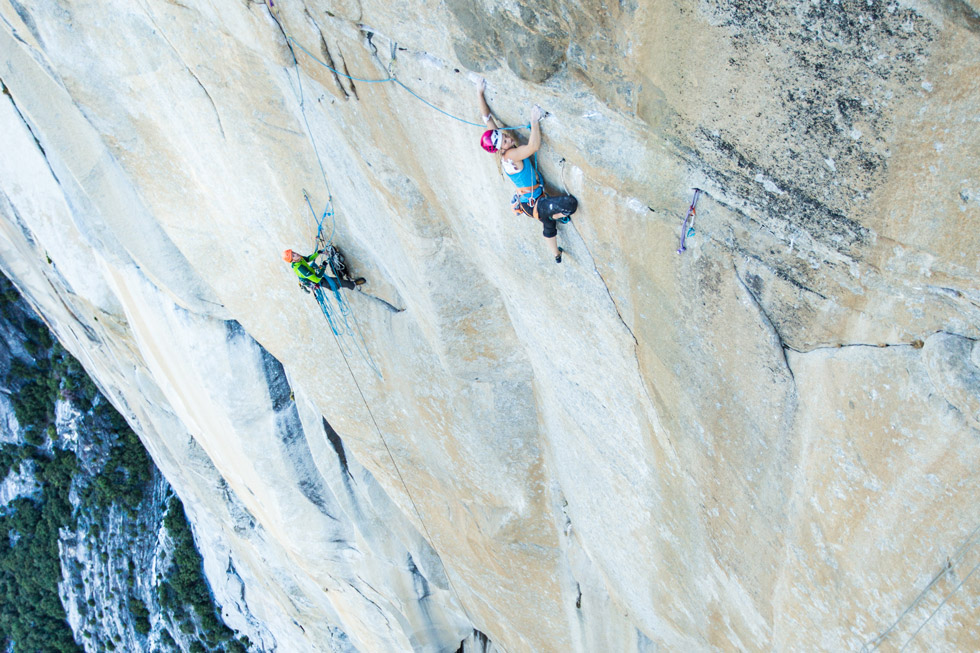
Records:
x=517, y=162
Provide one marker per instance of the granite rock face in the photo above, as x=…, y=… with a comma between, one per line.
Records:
x=769, y=442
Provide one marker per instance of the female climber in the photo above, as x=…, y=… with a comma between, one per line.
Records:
x=516, y=162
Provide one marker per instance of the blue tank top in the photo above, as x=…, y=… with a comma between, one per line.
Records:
x=525, y=179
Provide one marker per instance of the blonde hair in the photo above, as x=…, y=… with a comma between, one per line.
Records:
x=499, y=154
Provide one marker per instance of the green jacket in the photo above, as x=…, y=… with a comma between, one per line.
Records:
x=307, y=270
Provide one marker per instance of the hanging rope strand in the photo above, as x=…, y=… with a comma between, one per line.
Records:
x=404, y=485
x=392, y=78
x=958, y=555
x=933, y=613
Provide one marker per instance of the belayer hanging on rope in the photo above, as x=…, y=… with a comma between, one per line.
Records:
x=311, y=273
x=518, y=162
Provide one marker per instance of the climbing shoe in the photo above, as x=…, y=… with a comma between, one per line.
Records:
x=360, y=281
x=560, y=252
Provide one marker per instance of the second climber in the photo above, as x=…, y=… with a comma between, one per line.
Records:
x=311, y=273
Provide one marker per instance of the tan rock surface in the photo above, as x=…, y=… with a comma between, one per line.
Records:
x=767, y=443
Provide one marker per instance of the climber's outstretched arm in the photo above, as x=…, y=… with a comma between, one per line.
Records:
x=485, y=112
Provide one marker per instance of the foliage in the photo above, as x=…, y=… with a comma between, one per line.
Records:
x=186, y=585
x=167, y=641
x=126, y=473
x=11, y=456
x=31, y=614
x=141, y=615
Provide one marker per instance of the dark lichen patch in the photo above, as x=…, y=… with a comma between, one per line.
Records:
x=836, y=73
x=786, y=208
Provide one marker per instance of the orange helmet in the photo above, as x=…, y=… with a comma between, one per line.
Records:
x=287, y=255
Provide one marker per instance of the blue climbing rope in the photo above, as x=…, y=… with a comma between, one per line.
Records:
x=348, y=337
x=394, y=79
x=334, y=71
x=319, y=241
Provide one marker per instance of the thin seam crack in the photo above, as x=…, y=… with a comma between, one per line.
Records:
x=328, y=58
x=214, y=106
x=606, y=286
x=636, y=343
x=769, y=323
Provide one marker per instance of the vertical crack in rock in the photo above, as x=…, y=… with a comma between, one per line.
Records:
x=214, y=107
x=605, y=285
x=288, y=427
x=18, y=221
x=377, y=607
x=475, y=642
x=27, y=125
x=350, y=79
x=243, y=521
x=419, y=582
x=25, y=16
x=231, y=572
x=328, y=59
x=770, y=326
x=636, y=343
x=338, y=446
x=217, y=115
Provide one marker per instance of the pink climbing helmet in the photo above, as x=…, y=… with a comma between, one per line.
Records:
x=490, y=140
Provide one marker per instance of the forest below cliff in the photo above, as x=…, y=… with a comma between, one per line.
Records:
x=77, y=480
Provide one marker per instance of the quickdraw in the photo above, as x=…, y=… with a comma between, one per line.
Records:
x=687, y=228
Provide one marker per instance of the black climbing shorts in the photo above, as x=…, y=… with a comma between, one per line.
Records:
x=549, y=206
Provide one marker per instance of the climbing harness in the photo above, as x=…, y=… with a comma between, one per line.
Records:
x=529, y=207
x=687, y=228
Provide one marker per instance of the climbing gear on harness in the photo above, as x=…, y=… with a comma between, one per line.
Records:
x=335, y=259
x=526, y=206
x=490, y=140
x=565, y=220
x=287, y=255
x=687, y=228
x=560, y=252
